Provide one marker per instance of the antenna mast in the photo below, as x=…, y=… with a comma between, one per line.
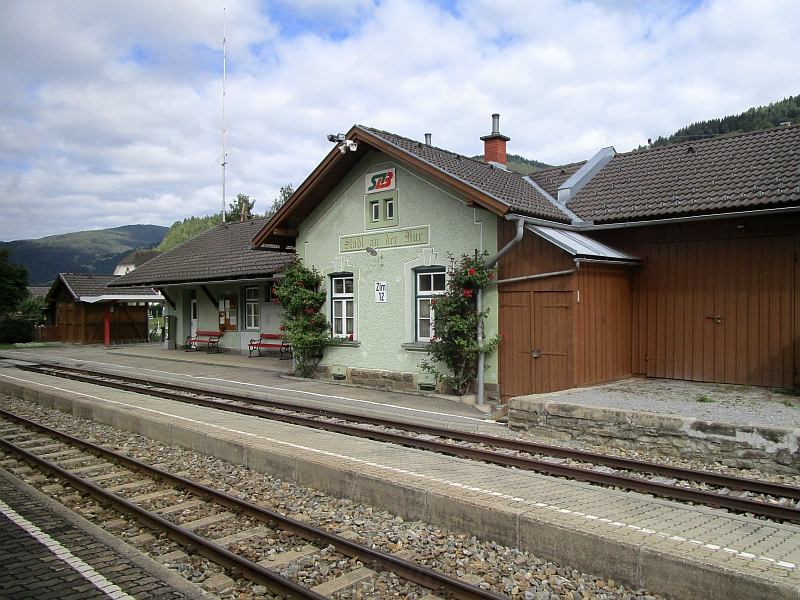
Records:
x=224, y=155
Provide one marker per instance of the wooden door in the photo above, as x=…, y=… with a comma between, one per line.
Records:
x=552, y=341
x=536, y=356
x=722, y=311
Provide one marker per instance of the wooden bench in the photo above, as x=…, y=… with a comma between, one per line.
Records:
x=209, y=338
x=263, y=342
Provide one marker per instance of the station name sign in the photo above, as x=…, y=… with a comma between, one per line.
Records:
x=396, y=238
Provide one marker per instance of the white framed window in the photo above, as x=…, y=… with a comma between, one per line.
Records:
x=252, y=308
x=375, y=207
x=342, y=306
x=429, y=285
x=389, y=209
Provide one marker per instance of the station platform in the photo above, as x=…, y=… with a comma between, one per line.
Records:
x=677, y=550
x=260, y=376
x=47, y=551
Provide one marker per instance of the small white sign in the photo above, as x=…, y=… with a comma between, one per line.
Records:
x=380, y=291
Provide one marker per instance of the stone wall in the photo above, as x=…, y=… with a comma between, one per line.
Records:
x=397, y=380
x=769, y=449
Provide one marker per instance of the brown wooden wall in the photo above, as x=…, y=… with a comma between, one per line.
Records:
x=82, y=323
x=577, y=341
x=716, y=300
x=603, y=323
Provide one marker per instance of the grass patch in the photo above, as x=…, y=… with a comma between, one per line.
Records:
x=788, y=403
x=6, y=346
x=704, y=399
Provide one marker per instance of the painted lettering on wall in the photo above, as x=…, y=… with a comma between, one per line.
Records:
x=397, y=238
x=379, y=181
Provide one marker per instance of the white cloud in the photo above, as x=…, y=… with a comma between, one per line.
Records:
x=111, y=113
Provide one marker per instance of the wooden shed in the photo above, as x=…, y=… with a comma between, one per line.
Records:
x=87, y=312
x=565, y=308
x=714, y=297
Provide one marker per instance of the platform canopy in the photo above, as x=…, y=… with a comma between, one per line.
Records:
x=582, y=246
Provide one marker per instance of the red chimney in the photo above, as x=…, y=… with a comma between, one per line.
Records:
x=494, y=145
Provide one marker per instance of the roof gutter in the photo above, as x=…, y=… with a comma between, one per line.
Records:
x=162, y=284
x=589, y=226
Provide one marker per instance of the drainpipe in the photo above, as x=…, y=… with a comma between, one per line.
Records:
x=479, y=306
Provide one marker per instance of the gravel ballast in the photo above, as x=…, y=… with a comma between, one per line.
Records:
x=494, y=567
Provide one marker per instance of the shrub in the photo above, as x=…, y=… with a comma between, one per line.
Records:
x=303, y=324
x=455, y=345
x=16, y=331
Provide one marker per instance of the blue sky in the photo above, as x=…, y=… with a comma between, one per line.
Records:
x=111, y=112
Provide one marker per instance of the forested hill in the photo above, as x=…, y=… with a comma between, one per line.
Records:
x=520, y=164
x=96, y=251
x=754, y=119
x=190, y=227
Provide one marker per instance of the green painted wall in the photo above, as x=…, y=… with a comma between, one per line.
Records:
x=208, y=313
x=383, y=328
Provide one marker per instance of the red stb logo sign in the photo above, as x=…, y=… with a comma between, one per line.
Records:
x=381, y=181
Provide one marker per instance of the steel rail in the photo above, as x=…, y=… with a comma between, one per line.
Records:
x=750, y=485
x=644, y=486
x=438, y=582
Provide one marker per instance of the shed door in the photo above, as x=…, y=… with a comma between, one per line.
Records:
x=721, y=311
x=536, y=356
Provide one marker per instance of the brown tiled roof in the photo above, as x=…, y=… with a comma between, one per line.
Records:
x=221, y=253
x=82, y=286
x=506, y=186
x=739, y=172
x=553, y=177
x=139, y=256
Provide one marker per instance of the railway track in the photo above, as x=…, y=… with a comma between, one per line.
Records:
x=190, y=512
x=665, y=481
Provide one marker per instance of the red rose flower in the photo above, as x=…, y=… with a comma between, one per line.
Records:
x=281, y=328
x=300, y=283
x=468, y=293
x=351, y=337
x=433, y=301
x=504, y=336
x=472, y=271
x=275, y=300
x=491, y=275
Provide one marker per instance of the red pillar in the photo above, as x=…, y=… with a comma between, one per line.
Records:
x=107, y=326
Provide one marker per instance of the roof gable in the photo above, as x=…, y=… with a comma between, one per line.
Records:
x=85, y=287
x=482, y=184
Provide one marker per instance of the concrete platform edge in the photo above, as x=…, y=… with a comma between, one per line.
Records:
x=142, y=561
x=635, y=564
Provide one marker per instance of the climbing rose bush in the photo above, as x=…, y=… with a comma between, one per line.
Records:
x=298, y=293
x=454, y=349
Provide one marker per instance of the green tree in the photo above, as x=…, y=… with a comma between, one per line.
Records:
x=298, y=292
x=182, y=231
x=32, y=307
x=242, y=204
x=283, y=195
x=454, y=349
x=13, y=283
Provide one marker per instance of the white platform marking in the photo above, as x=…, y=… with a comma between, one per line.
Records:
x=100, y=582
x=708, y=546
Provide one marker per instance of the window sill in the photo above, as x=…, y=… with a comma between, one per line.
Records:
x=347, y=343
x=415, y=346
